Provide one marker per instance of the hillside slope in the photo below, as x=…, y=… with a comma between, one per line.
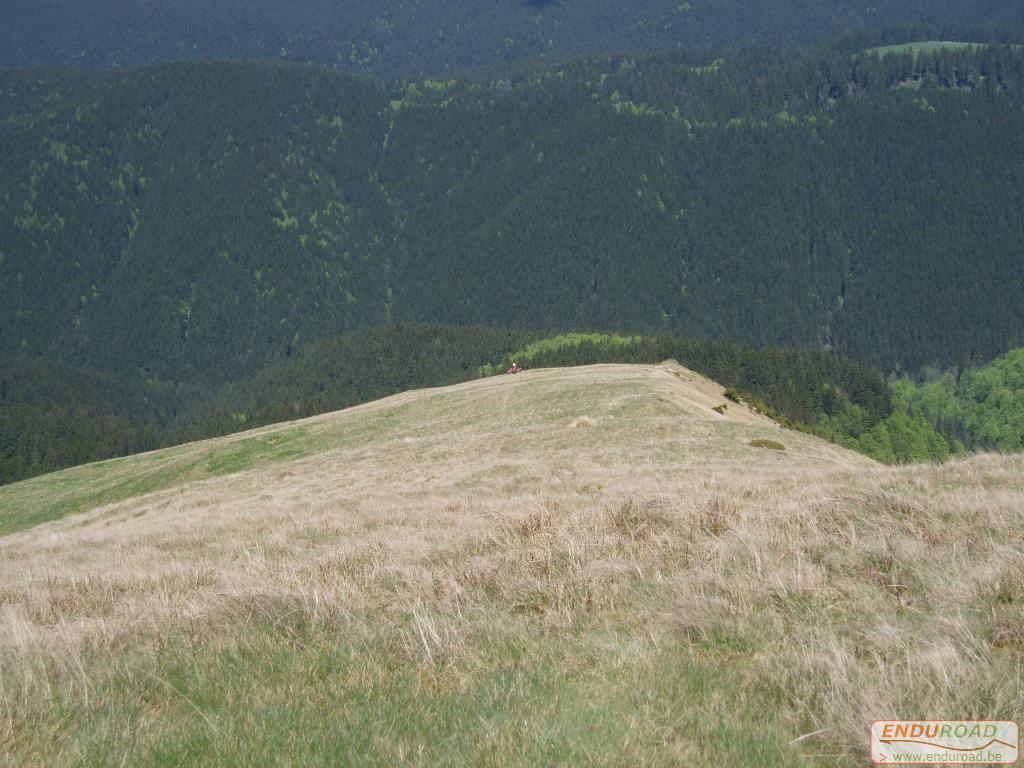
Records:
x=587, y=564
x=495, y=422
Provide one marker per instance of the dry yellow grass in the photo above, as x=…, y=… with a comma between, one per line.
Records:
x=608, y=508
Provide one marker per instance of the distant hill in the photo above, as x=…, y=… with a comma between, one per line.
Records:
x=418, y=37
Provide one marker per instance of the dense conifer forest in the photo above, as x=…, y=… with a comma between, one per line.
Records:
x=419, y=37
x=191, y=222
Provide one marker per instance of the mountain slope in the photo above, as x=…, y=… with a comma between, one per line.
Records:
x=566, y=565
x=190, y=222
x=161, y=203
x=500, y=417
x=417, y=37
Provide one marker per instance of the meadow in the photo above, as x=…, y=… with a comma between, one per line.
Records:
x=598, y=565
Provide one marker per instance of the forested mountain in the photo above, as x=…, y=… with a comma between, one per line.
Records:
x=190, y=222
x=419, y=37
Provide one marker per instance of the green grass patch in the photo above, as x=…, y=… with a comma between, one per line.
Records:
x=51, y=497
x=925, y=46
x=556, y=343
x=323, y=694
x=57, y=495
x=770, y=444
x=241, y=455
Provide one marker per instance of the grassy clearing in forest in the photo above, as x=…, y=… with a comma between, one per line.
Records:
x=917, y=48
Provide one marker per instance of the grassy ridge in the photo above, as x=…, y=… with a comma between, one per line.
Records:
x=805, y=390
x=54, y=496
x=842, y=401
x=57, y=415
x=37, y=434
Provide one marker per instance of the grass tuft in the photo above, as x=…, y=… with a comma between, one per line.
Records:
x=773, y=445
